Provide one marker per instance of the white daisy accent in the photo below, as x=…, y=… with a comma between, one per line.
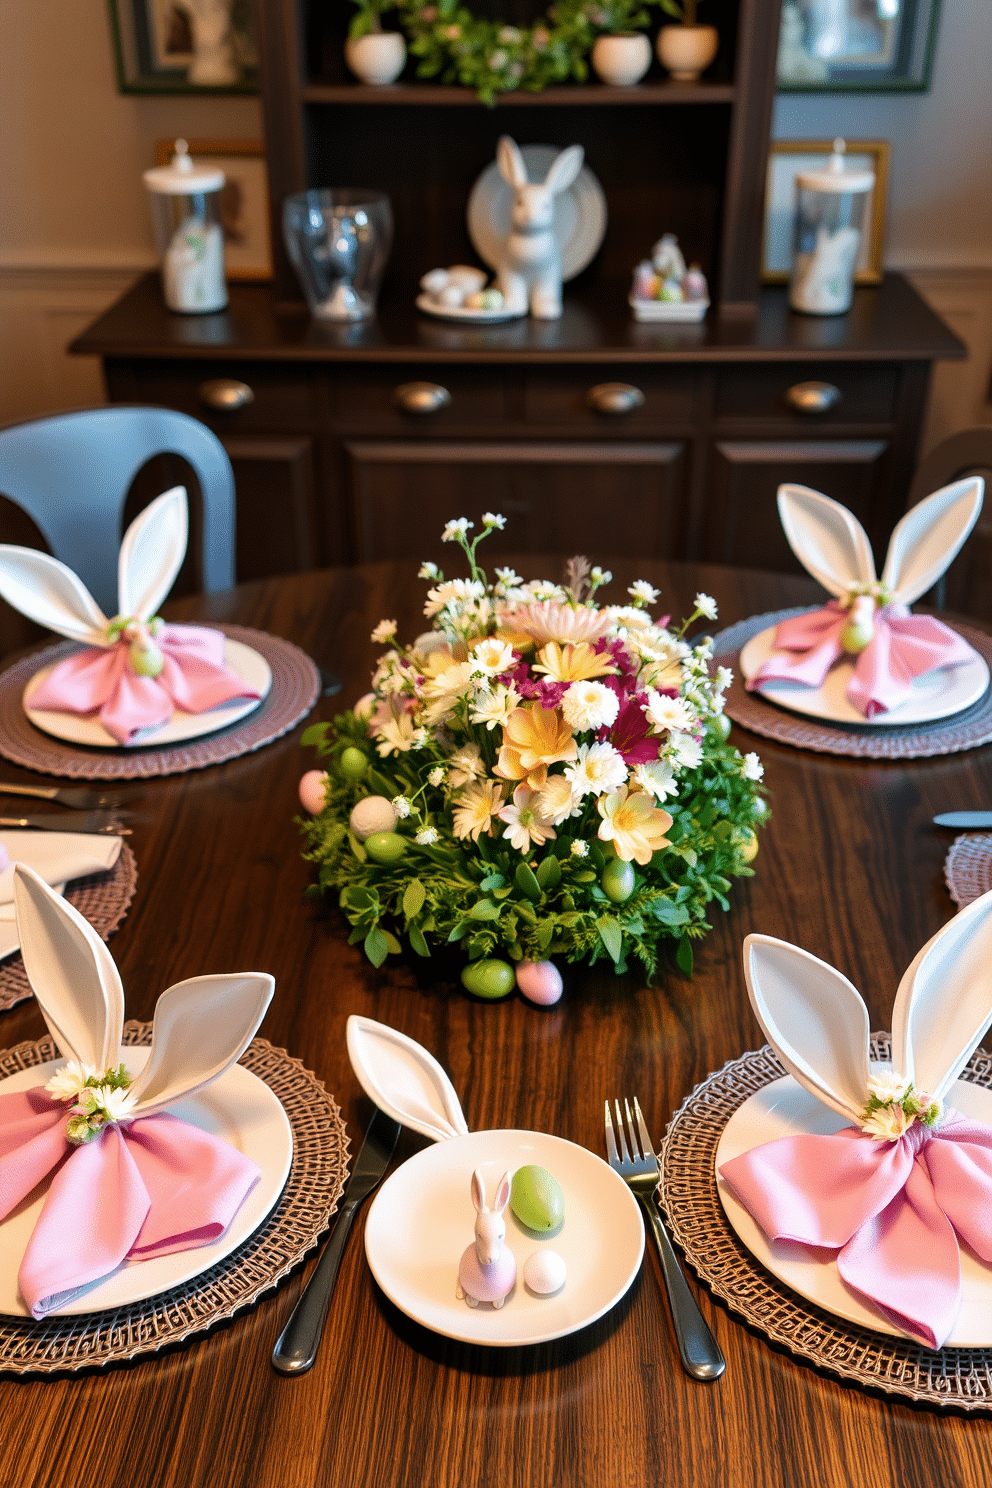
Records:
x=598, y=770
x=887, y=1124
x=658, y=777
x=428, y=571
x=706, y=605
x=493, y=519
x=492, y=656
x=752, y=768
x=886, y=1085
x=69, y=1080
x=590, y=705
x=456, y=530
x=643, y=591
x=453, y=595
x=556, y=800
x=492, y=708
x=384, y=632
x=663, y=712
x=685, y=752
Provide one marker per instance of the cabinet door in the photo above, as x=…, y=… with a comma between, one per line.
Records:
x=741, y=524
x=276, y=505
x=606, y=499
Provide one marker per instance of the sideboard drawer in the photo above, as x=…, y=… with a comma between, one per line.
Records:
x=864, y=394
x=407, y=399
x=242, y=397
x=607, y=398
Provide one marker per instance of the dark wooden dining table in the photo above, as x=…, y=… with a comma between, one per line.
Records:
x=850, y=867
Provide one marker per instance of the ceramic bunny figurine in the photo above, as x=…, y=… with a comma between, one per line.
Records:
x=147, y=669
x=529, y=266
x=869, y=618
x=892, y=1192
x=487, y=1270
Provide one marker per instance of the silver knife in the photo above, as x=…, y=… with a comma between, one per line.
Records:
x=297, y=1345
x=70, y=821
x=968, y=820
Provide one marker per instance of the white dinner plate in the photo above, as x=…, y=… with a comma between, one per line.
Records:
x=465, y=313
x=85, y=728
x=785, y=1109
x=579, y=212
x=240, y=1108
x=936, y=694
x=422, y=1220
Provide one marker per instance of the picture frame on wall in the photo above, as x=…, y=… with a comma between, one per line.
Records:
x=786, y=159
x=244, y=202
x=857, y=46
x=184, y=46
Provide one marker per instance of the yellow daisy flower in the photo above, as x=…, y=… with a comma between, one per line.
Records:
x=570, y=663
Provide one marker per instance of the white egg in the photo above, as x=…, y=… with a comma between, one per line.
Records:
x=373, y=814
x=452, y=297
x=435, y=281
x=466, y=277
x=545, y=1272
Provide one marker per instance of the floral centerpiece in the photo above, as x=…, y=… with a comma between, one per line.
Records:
x=538, y=775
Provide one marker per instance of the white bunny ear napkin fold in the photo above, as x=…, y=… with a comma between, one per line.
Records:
x=131, y=1181
x=894, y=1192
x=868, y=619
x=58, y=858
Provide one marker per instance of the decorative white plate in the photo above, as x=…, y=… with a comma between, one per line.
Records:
x=465, y=313
x=674, y=311
x=784, y=1109
x=85, y=728
x=422, y=1220
x=936, y=694
x=579, y=212
x=239, y=1107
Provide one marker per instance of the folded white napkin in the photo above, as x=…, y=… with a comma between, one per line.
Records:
x=57, y=857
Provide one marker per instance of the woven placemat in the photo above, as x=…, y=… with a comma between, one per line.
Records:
x=315, y=1184
x=968, y=867
x=964, y=730
x=959, y=1377
x=295, y=686
x=104, y=899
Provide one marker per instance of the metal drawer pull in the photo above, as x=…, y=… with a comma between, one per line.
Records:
x=614, y=397
x=421, y=397
x=225, y=395
x=813, y=397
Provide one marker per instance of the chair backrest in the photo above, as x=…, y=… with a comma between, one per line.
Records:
x=71, y=473
x=967, y=585
x=968, y=452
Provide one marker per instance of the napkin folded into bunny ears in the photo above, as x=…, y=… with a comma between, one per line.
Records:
x=136, y=671
x=892, y=1193
x=141, y=1183
x=868, y=618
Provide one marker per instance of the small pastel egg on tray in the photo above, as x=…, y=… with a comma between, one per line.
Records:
x=461, y=293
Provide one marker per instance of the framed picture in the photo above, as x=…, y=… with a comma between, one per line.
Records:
x=786, y=159
x=856, y=46
x=244, y=201
x=184, y=46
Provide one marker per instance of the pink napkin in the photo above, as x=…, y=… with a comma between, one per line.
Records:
x=138, y=1189
x=193, y=678
x=904, y=646
x=893, y=1211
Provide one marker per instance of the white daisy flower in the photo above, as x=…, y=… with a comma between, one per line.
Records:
x=453, y=595
x=456, y=530
x=69, y=1080
x=598, y=769
x=752, y=768
x=722, y=680
x=643, y=591
x=384, y=632
x=685, y=752
x=556, y=800
x=706, y=605
x=658, y=777
x=663, y=712
x=886, y=1085
x=492, y=656
x=427, y=571
x=492, y=708
x=493, y=519
x=887, y=1124
x=590, y=705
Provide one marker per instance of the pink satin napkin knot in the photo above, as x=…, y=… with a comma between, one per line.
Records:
x=138, y=1189
x=894, y=1211
x=102, y=680
x=902, y=647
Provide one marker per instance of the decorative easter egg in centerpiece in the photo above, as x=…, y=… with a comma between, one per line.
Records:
x=312, y=791
x=354, y=763
x=489, y=979
x=540, y=982
x=385, y=848
x=618, y=880
x=371, y=815
x=536, y=1199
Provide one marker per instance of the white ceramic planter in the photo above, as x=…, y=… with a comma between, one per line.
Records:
x=687, y=50
x=621, y=60
x=377, y=58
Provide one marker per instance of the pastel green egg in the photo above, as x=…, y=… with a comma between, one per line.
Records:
x=720, y=726
x=536, y=1199
x=385, y=847
x=489, y=979
x=618, y=880
x=353, y=763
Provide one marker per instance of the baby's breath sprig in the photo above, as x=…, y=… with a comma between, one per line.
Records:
x=458, y=530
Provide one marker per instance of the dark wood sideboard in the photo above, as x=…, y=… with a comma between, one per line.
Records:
x=337, y=460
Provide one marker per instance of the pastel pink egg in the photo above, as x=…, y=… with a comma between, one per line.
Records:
x=312, y=791
x=539, y=981
x=365, y=706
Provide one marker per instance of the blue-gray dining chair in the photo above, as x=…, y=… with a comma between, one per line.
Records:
x=71, y=473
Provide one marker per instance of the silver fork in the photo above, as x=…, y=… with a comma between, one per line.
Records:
x=701, y=1356
x=76, y=796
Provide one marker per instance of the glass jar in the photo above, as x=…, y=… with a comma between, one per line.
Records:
x=185, y=201
x=338, y=242
x=830, y=213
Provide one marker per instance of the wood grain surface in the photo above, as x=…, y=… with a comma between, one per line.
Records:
x=850, y=867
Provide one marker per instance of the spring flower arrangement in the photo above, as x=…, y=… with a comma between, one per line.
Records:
x=539, y=775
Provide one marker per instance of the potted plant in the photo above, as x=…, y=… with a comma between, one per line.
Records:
x=622, y=55
x=686, y=49
x=373, y=55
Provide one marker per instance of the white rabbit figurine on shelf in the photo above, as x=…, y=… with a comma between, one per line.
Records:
x=487, y=1270
x=529, y=268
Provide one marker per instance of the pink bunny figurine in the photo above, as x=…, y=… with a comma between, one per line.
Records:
x=529, y=268
x=487, y=1270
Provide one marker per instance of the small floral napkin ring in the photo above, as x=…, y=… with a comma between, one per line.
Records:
x=97, y=1100
x=893, y=1106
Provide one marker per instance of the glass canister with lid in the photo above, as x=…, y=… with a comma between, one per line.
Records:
x=186, y=216
x=830, y=213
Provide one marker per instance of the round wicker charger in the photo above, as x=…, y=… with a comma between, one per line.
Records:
x=295, y=687
x=104, y=899
x=314, y=1186
x=917, y=741
x=968, y=867
x=959, y=1377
